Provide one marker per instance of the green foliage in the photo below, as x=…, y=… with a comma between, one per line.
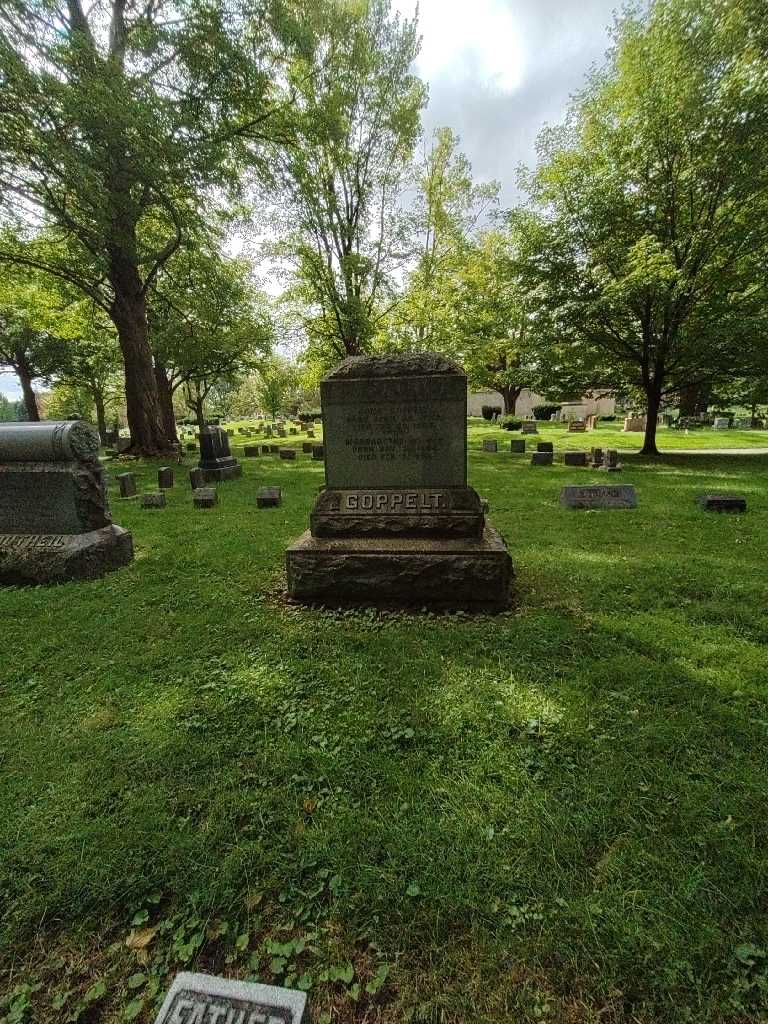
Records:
x=489, y=411
x=277, y=380
x=356, y=108
x=655, y=190
x=543, y=412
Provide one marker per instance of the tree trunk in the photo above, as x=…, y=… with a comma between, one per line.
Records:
x=165, y=397
x=653, y=395
x=101, y=419
x=510, y=396
x=25, y=379
x=129, y=314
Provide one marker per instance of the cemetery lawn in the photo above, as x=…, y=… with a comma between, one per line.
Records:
x=556, y=814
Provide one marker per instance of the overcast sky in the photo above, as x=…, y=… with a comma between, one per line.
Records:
x=498, y=70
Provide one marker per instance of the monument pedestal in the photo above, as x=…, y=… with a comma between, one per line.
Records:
x=439, y=572
x=55, y=557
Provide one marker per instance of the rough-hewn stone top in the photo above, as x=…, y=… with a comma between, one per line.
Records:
x=48, y=441
x=406, y=364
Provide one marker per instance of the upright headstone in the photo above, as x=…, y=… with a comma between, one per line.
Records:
x=635, y=424
x=204, y=497
x=127, y=482
x=165, y=478
x=216, y=460
x=542, y=459
x=529, y=428
x=318, y=452
x=577, y=427
x=517, y=447
x=596, y=454
x=611, y=463
x=489, y=445
x=721, y=423
x=54, y=514
x=153, y=499
x=545, y=446
x=269, y=497
x=306, y=447
x=575, y=459
x=288, y=454
x=250, y=451
x=196, y=478
x=396, y=522
x=205, y=999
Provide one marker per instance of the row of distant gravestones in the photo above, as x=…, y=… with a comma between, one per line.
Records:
x=204, y=496
x=545, y=455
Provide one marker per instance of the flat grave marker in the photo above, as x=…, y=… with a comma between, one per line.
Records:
x=598, y=496
x=206, y=999
x=722, y=502
x=269, y=497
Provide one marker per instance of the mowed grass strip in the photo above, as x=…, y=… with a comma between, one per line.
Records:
x=553, y=814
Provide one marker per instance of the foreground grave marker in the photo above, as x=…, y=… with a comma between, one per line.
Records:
x=54, y=514
x=205, y=999
x=396, y=522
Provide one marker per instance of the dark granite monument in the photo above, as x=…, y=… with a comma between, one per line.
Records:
x=54, y=514
x=722, y=502
x=165, y=478
x=489, y=445
x=216, y=460
x=574, y=458
x=396, y=522
x=127, y=482
x=542, y=459
x=517, y=447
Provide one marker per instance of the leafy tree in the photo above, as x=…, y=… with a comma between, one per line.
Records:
x=27, y=312
x=656, y=189
x=495, y=316
x=117, y=121
x=209, y=325
x=8, y=410
x=448, y=209
x=356, y=120
x=277, y=379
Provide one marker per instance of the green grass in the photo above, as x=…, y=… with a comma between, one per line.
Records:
x=556, y=814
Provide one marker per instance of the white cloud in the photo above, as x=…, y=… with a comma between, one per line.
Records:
x=479, y=40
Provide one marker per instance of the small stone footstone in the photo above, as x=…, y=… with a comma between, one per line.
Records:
x=577, y=496
x=575, y=459
x=205, y=497
x=396, y=523
x=490, y=446
x=196, y=478
x=155, y=499
x=529, y=428
x=127, y=483
x=165, y=478
x=288, y=454
x=545, y=446
x=269, y=497
x=517, y=447
x=318, y=452
x=55, y=523
x=722, y=503
x=542, y=459
x=206, y=999
x=306, y=447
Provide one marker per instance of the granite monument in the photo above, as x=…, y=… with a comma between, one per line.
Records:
x=396, y=522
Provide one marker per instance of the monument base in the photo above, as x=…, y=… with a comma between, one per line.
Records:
x=448, y=573
x=220, y=473
x=55, y=558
